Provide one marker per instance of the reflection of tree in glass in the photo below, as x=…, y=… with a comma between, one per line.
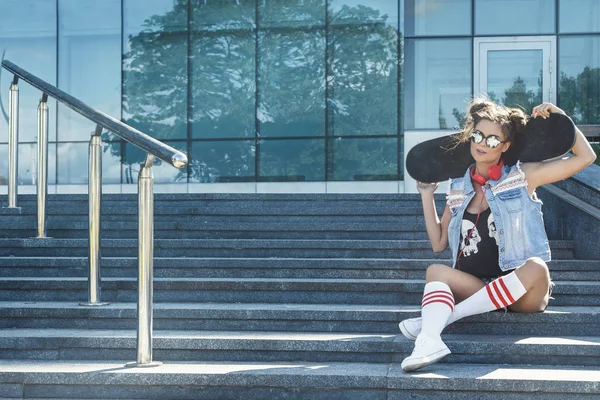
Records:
x=291, y=47
x=580, y=96
x=364, y=72
x=517, y=96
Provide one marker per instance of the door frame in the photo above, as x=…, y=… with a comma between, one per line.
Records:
x=545, y=43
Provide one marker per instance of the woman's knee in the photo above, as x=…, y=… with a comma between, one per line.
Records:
x=437, y=272
x=534, y=271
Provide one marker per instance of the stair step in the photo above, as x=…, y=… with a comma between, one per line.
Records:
x=248, y=248
x=347, y=381
x=247, y=208
x=194, y=267
x=265, y=290
x=75, y=344
x=555, y=321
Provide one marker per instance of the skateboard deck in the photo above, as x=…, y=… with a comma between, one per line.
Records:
x=437, y=160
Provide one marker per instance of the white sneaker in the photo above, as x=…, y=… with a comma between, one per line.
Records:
x=411, y=327
x=427, y=351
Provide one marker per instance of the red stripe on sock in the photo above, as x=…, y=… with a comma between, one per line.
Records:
x=499, y=293
x=446, y=296
x=506, y=290
x=489, y=292
x=435, y=293
x=439, y=300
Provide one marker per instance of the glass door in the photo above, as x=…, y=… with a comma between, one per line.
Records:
x=516, y=71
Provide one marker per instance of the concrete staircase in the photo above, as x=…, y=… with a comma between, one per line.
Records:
x=271, y=297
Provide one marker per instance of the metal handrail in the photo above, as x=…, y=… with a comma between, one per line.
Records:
x=139, y=139
x=151, y=146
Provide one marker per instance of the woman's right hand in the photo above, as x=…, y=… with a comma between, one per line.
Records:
x=424, y=188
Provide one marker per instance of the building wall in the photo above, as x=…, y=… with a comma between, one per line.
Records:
x=265, y=95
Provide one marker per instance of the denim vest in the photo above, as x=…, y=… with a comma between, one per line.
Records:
x=518, y=217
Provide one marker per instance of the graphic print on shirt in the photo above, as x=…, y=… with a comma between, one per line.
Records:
x=492, y=228
x=469, y=240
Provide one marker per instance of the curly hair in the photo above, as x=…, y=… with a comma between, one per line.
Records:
x=511, y=120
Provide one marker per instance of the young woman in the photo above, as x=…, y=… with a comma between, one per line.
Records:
x=494, y=227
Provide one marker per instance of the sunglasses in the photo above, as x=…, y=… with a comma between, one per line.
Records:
x=491, y=141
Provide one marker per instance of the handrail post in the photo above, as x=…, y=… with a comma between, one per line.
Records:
x=145, y=265
x=13, y=141
x=42, y=168
x=95, y=198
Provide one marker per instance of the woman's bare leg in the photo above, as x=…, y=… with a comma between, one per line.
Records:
x=535, y=277
x=462, y=284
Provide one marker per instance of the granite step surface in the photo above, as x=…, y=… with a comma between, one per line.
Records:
x=244, y=248
x=254, y=317
x=240, y=346
x=293, y=380
x=263, y=290
x=231, y=267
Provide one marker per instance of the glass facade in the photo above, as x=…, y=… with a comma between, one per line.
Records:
x=280, y=91
x=515, y=17
x=579, y=78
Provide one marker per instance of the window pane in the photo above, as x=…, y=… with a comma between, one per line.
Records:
x=579, y=78
x=292, y=83
x=292, y=14
x=27, y=167
x=73, y=163
x=154, y=16
x=89, y=62
x=437, y=17
x=514, y=17
x=348, y=12
x=515, y=77
x=155, y=68
x=363, y=159
x=161, y=171
x=437, y=82
x=223, y=85
x=363, y=81
x=28, y=35
x=579, y=16
x=223, y=161
x=223, y=15
x=292, y=160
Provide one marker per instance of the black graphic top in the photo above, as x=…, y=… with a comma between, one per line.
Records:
x=478, y=255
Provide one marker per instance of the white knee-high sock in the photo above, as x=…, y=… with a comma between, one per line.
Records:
x=501, y=292
x=436, y=308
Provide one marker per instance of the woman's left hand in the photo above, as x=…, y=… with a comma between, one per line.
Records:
x=545, y=109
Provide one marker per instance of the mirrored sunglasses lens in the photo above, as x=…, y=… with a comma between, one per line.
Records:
x=492, y=142
x=476, y=137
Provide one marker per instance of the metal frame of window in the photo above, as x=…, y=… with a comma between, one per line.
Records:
x=547, y=44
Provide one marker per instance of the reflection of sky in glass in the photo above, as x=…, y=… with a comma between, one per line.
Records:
x=73, y=164
x=28, y=35
x=506, y=66
x=27, y=168
x=579, y=16
x=505, y=17
x=89, y=61
x=137, y=12
x=33, y=17
x=578, y=52
x=437, y=17
x=437, y=80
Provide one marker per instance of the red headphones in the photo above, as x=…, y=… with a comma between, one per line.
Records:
x=494, y=172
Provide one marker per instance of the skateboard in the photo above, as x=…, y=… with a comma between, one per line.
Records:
x=439, y=159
